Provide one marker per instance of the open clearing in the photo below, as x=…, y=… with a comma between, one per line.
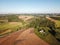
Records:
x=25, y=18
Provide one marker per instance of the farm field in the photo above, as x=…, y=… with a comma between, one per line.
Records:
x=11, y=25
x=25, y=18
x=42, y=30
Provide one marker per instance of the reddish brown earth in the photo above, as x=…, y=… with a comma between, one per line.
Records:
x=22, y=37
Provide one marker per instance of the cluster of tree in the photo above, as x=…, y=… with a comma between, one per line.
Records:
x=43, y=22
x=56, y=18
x=3, y=17
x=13, y=18
x=10, y=18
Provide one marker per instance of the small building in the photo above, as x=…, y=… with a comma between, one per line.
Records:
x=42, y=31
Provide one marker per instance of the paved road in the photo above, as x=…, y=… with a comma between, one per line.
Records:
x=26, y=37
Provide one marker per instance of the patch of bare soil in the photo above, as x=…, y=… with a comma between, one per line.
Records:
x=25, y=17
x=9, y=39
x=28, y=37
x=22, y=37
x=13, y=22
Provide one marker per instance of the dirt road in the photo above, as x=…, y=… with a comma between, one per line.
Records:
x=51, y=19
x=9, y=40
x=26, y=37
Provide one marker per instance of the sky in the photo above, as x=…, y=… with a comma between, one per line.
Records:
x=29, y=6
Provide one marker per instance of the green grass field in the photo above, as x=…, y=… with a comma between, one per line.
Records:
x=57, y=23
x=9, y=27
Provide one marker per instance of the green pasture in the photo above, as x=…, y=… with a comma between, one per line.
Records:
x=7, y=27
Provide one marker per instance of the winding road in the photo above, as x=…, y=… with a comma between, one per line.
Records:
x=22, y=37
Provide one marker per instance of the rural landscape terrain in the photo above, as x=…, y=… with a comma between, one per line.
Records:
x=29, y=29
